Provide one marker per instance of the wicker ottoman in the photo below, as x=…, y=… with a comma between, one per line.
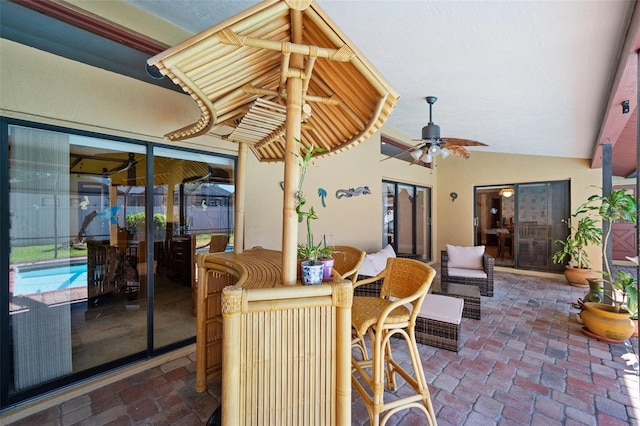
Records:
x=438, y=323
x=471, y=296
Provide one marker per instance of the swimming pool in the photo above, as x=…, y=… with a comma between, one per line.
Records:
x=30, y=280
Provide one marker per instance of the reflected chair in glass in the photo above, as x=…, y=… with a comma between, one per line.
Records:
x=405, y=285
x=347, y=261
x=217, y=244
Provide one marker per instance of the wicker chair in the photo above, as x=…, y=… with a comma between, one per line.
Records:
x=482, y=279
x=346, y=262
x=405, y=281
x=218, y=243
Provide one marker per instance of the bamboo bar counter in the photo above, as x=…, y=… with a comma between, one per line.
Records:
x=284, y=351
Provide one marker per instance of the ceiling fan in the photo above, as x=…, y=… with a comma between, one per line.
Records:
x=432, y=145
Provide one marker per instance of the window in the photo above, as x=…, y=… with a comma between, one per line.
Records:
x=92, y=283
x=406, y=219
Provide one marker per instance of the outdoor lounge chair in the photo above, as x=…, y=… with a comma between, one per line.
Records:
x=469, y=266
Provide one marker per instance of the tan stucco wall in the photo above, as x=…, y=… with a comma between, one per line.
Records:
x=352, y=221
x=44, y=88
x=484, y=169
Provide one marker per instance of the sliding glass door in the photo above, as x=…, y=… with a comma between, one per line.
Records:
x=540, y=209
x=407, y=219
x=518, y=223
x=102, y=238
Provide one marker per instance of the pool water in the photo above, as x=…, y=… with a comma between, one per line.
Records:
x=40, y=280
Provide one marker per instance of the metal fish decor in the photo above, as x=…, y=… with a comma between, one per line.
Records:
x=322, y=193
x=363, y=190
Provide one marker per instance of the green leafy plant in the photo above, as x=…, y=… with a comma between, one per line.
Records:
x=325, y=252
x=135, y=219
x=585, y=232
x=619, y=205
x=309, y=250
x=627, y=286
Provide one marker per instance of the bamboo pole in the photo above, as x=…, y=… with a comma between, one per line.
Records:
x=291, y=167
x=231, y=311
x=201, y=326
x=241, y=186
x=343, y=296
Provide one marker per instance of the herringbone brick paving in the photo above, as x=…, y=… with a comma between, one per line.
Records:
x=525, y=363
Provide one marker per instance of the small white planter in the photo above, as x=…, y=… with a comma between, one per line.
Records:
x=312, y=274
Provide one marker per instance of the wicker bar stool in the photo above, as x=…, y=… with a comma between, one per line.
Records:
x=406, y=282
x=347, y=261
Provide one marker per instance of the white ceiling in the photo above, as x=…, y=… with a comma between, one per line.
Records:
x=527, y=77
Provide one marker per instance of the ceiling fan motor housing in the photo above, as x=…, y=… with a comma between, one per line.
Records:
x=431, y=132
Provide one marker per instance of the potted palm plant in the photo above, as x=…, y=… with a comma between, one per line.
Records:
x=583, y=233
x=312, y=269
x=613, y=320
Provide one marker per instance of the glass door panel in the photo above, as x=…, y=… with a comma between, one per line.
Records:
x=540, y=208
x=406, y=220
x=75, y=297
x=388, y=222
x=423, y=227
x=192, y=201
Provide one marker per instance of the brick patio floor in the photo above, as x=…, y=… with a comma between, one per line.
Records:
x=526, y=362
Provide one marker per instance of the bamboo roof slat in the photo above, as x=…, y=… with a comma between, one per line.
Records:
x=227, y=67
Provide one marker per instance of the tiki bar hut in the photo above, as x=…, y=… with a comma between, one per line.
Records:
x=278, y=73
x=282, y=76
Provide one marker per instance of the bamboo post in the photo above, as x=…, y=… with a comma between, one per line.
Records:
x=231, y=313
x=201, y=325
x=241, y=185
x=291, y=168
x=343, y=299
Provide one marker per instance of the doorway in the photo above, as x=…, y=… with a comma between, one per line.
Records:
x=623, y=234
x=518, y=223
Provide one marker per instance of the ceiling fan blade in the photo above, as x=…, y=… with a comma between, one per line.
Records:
x=401, y=153
x=458, y=151
x=461, y=142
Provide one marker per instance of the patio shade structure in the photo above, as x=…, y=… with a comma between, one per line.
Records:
x=281, y=75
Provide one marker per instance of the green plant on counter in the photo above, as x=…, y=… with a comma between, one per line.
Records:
x=309, y=250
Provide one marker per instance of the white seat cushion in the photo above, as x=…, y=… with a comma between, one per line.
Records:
x=374, y=263
x=467, y=273
x=465, y=257
x=442, y=308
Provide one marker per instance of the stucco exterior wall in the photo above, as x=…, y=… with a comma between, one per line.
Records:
x=45, y=88
x=485, y=169
x=41, y=87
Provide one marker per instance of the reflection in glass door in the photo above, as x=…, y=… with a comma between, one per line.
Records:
x=193, y=201
x=94, y=284
x=406, y=219
x=75, y=298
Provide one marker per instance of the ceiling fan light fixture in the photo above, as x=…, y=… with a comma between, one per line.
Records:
x=416, y=154
x=428, y=158
x=445, y=152
x=434, y=150
x=507, y=192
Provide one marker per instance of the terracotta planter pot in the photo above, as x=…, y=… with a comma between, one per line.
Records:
x=603, y=320
x=578, y=276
